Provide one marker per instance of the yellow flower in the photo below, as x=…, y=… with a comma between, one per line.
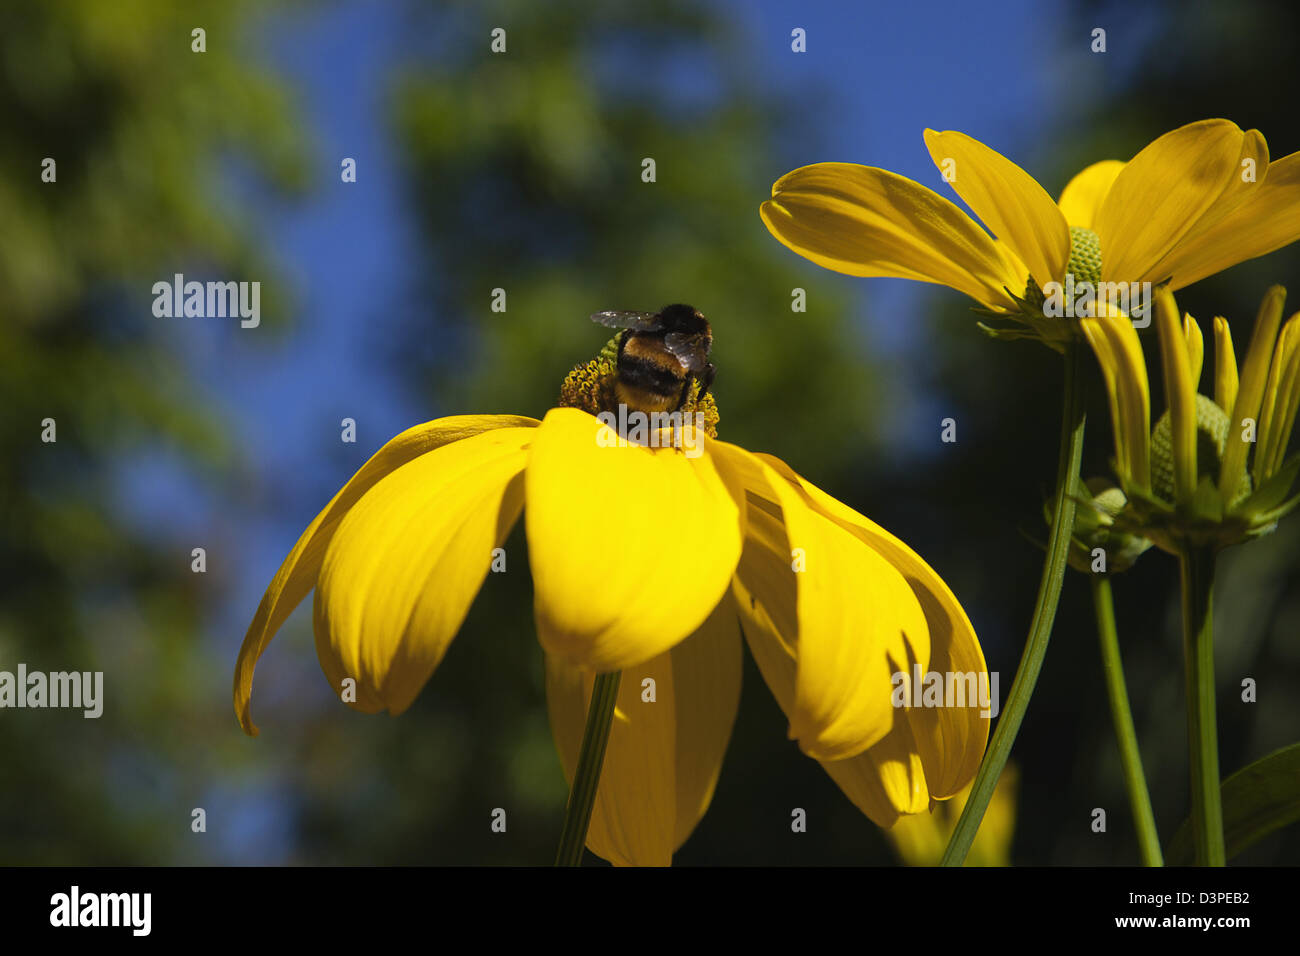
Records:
x=648, y=560
x=1193, y=480
x=1194, y=202
x=921, y=839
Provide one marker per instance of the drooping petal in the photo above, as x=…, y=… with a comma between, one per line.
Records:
x=634, y=816
x=1265, y=217
x=1097, y=338
x=950, y=740
x=664, y=755
x=298, y=573
x=856, y=619
x=1119, y=353
x=886, y=779
x=1082, y=196
x=408, y=559
x=706, y=694
x=921, y=839
x=631, y=548
x=865, y=221
x=1161, y=194
x=1007, y=200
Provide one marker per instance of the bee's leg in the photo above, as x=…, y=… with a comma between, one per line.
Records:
x=706, y=380
x=686, y=391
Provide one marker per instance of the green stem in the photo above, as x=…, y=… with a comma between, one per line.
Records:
x=1040, y=629
x=1197, y=566
x=582, y=796
x=1139, y=798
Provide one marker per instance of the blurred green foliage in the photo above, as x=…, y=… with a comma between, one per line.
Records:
x=527, y=173
x=138, y=126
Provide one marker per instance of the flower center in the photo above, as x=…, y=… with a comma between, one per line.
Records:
x=1085, y=256
x=1212, y=425
x=1084, y=264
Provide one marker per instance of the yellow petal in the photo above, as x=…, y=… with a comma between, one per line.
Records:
x=1225, y=366
x=865, y=221
x=1100, y=343
x=950, y=740
x=706, y=695
x=1277, y=411
x=297, y=575
x=1251, y=170
x=1180, y=396
x=767, y=598
x=1119, y=352
x=1161, y=194
x=857, y=617
x=1195, y=349
x=630, y=547
x=664, y=756
x=992, y=846
x=1136, y=390
x=1266, y=218
x=1007, y=200
x=408, y=559
x=857, y=620
x=1250, y=395
x=921, y=839
x=1083, y=195
x=886, y=781
x=633, y=818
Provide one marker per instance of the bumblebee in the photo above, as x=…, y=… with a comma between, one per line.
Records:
x=660, y=356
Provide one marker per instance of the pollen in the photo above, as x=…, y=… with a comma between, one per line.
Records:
x=590, y=387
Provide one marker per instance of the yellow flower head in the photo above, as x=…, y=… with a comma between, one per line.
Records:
x=832, y=607
x=1194, y=202
x=1211, y=472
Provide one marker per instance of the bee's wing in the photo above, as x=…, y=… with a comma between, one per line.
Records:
x=639, y=321
x=690, y=350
